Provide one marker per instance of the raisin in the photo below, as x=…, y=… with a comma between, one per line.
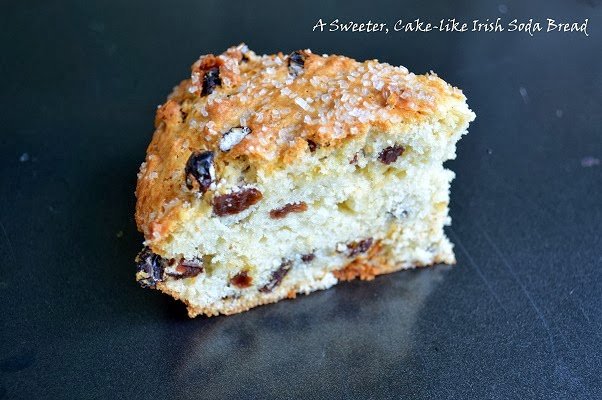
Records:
x=312, y=145
x=211, y=79
x=149, y=268
x=358, y=247
x=233, y=137
x=296, y=61
x=401, y=214
x=282, y=212
x=186, y=269
x=306, y=258
x=389, y=155
x=277, y=276
x=235, y=202
x=353, y=161
x=200, y=168
x=241, y=280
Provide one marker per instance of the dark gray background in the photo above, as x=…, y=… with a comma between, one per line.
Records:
x=520, y=316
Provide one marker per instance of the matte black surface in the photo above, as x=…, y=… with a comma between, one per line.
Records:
x=520, y=316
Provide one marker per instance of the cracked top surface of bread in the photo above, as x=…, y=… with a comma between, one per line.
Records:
x=327, y=99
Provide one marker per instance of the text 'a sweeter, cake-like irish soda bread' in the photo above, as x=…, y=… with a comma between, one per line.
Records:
x=273, y=175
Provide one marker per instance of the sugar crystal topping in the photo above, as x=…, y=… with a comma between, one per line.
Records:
x=325, y=98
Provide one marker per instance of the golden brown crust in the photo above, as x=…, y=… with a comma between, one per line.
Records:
x=332, y=99
x=365, y=268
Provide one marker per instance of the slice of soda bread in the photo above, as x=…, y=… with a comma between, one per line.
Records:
x=273, y=175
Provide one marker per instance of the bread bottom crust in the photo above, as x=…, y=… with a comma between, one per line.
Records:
x=365, y=268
